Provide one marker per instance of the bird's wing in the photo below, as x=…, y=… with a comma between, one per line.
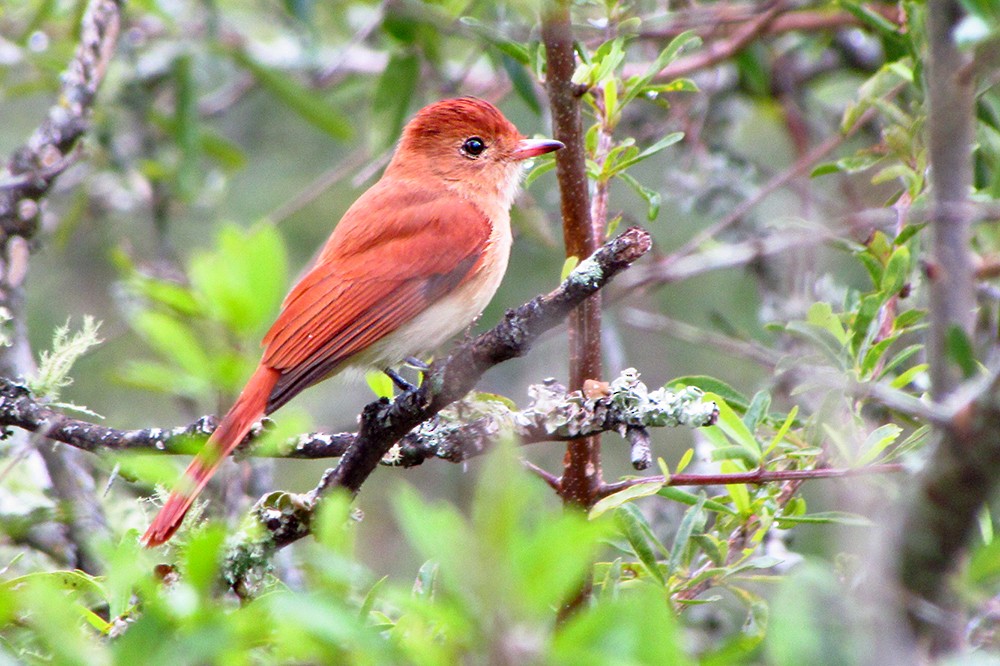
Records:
x=421, y=248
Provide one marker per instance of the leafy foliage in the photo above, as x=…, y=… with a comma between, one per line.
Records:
x=204, y=332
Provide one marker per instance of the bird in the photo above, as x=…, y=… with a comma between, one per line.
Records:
x=412, y=262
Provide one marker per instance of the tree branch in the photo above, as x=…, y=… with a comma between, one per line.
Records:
x=582, y=464
x=717, y=51
x=34, y=166
x=963, y=470
x=711, y=18
x=462, y=432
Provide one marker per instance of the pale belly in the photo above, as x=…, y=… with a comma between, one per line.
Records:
x=447, y=316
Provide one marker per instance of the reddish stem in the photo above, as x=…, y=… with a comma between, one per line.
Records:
x=757, y=476
x=581, y=480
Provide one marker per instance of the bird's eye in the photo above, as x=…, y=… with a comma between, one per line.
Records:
x=473, y=146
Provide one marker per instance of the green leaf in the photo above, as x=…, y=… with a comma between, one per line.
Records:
x=907, y=319
x=826, y=518
x=424, y=584
x=380, y=384
x=865, y=325
x=685, y=460
x=859, y=162
x=173, y=340
x=692, y=522
x=637, y=627
x=739, y=492
x=543, y=165
x=821, y=314
x=733, y=453
x=873, y=266
x=985, y=520
x=87, y=586
x=821, y=338
x=908, y=232
x=908, y=376
x=732, y=397
x=369, y=603
x=611, y=110
x=870, y=18
x=984, y=566
x=876, y=443
x=677, y=85
x=666, y=56
x=783, y=430
x=959, y=349
x=824, y=169
x=521, y=80
x=202, y=557
x=607, y=58
x=651, y=197
x=299, y=99
x=639, y=535
x=187, y=121
x=685, y=497
x=901, y=357
x=568, y=266
x=876, y=353
x=730, y=423
x=753, y=66
x=630, y=494
x=391, y=101
x=660, y=145
x=242, y=281
x=758, y=410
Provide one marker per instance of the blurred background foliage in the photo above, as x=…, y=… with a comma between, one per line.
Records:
x=228, y=139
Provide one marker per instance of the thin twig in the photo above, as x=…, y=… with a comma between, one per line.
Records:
x=755, y=477
x=801, y=166
x=717, y=51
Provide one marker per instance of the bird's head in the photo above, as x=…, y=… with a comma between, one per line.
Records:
x=469, y=145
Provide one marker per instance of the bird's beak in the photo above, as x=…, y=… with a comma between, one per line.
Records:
x=528, y=148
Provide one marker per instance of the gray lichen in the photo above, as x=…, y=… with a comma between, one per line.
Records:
x=587, y=273
x=625, y=406
x=625, y=402
x=661, y=407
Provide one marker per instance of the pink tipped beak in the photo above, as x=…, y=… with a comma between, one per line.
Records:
x=528, y=148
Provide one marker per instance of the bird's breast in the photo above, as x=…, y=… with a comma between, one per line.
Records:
x=451, y=313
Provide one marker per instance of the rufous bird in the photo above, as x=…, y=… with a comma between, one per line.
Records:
x=413, y=261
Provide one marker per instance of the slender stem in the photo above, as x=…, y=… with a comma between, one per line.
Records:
x=582, y=466
x=757, y=476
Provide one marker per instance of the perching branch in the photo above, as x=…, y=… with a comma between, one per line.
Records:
x=464, y=431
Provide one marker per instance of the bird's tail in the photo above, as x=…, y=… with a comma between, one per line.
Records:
x=249, y=408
